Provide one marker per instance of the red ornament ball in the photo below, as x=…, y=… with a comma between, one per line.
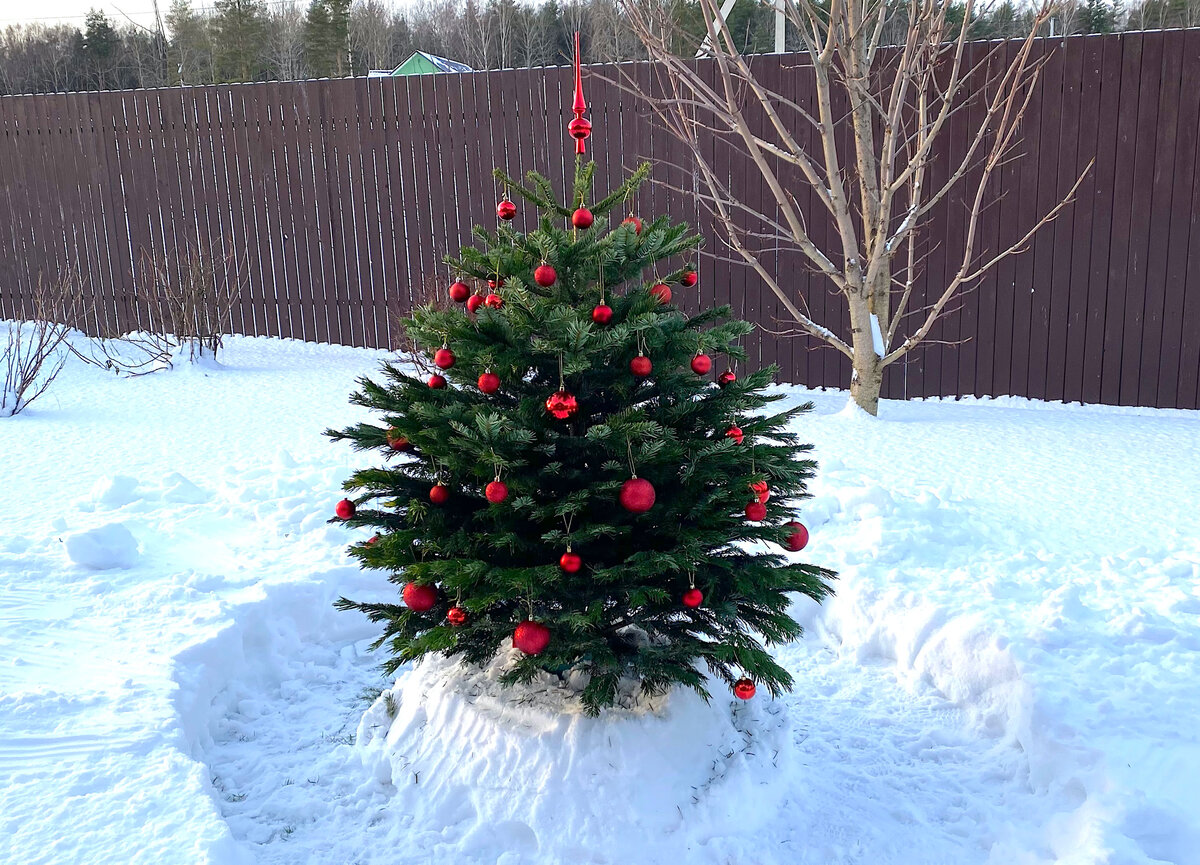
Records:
x=496, y=283
x=506, y=209
x=744, y=689
x=761, y=490
x=419, y=598
x=756, y=511
x=637, y=495
x=474, y=302
x=437, y=381
x=726, y=378
x=735, y=433
x=459, y=292
x=641, y=366
x=561, y=404
x=662, y=292
x=489, y=382
x=444, y=358
x=582, y=218
x=689, y=278
x=374, y=539
x=693, y=598
x=701, y=364
x=396, y=441
x=570, y=562
x=545, y=275
x=439, y=494
x=531, y=637
x=602, y=314
x=345, y=509
x=635, y=222
x=496, y=492
x=798, y=539
x=493, y=301
x=456, y=616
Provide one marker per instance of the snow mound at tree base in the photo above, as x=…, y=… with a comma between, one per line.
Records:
x=521, y=770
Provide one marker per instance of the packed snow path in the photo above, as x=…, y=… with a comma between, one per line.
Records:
x=1008, y=673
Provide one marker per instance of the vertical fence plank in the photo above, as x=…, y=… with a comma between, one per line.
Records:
x=1042, y=254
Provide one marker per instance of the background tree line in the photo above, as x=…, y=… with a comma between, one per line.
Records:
x=260, y=40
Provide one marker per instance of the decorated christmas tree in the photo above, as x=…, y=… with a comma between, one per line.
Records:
x=572, y=479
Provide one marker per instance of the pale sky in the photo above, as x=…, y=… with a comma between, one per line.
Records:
x=73, y=11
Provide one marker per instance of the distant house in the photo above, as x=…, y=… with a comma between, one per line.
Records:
x=421, y=64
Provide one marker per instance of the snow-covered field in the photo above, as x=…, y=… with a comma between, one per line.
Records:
x=1010, y=671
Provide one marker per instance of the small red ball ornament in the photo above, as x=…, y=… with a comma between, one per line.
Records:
x=444, y=358
x=701, y=363
x=344, y=509
x=506, y=209
x=489, y=382
x=459, y=292
x=634, y=221
x=662, y=292
x=688, y=279
x=641, y=366
x=561, y=404
x=493, y=301
x=761, y=490
x=693, y=598
x=496, y=283
x=396, y=441
x=582, y=218
x=456, y=616
x=756, y=511
x=439, y=494
x=570, y=562
x=374, y=539
x=602, y=314
x=798, y=539
x=496, y=492
x=726, y=378
x=531, y=637
x=545, y=275
x=419, y=598
x=744, y=689
x=735, y=433
x=474, y=302
x=637, y=495
x=437, y=381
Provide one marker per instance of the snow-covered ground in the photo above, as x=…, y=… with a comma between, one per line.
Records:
x=1010, y=671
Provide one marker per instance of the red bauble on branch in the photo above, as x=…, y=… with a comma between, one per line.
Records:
x=456, y=616
x=506, y=210
x=437, y=381
x=419, y=598
x=798, y=539
x=637, y=495
x=570, y=562
x=496, y=492
x=688, y=279
x=439, y=494
x=582, y=218
x=489, y=382
x=761, y=490
x=756, y=511
x=474, y=302
x=459, y=292
x=735, y=433
x=693, y=598
x=444, y=358
x=633, y=221
x=661, y=292
x=493, y=301
x=744, y=689
x=396, y=441
x=602, y=314
x=545, y=275
x=345, y=509
x=374, y=539
x=561, y=404
x=726, y=378
x=498, y=282
x=531, y=637
x=701, y=363
x=641, y=366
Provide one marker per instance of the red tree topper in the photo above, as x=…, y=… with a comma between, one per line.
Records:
x=580, y=127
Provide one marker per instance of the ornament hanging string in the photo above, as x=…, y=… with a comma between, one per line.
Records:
x=629, y=450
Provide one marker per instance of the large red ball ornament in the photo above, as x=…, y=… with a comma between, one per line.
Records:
x=437, y=381
x=798, y=539
x=489, y=382
x=701, y=364
x=744, y=689
x=456, y=616
x=641, y=366
x=582, y=218
x=635, y=222
x=439, y=494
x=689, y=278
x=661, y=292
x=506, y=209
x=531, y=637
x=761, y=490
x=637, y=495
x=474, y=302
x=344, y=509
x=756, y=511
x=493, y=301
x=459, y=292
x=602, y=314
x=561, y=404
x=726, y=378
x=444, y=358
x=735, y=433
x=419, y=598
x=545, y=275
x=693, y=598
x=496, y=492
x=570, y=562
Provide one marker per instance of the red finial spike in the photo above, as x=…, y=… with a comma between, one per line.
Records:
x=580, y=127
x=580, y=106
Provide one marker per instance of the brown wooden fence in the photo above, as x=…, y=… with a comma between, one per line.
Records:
x=341, y=197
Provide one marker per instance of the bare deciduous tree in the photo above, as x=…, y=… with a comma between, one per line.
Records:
x=894, y=103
